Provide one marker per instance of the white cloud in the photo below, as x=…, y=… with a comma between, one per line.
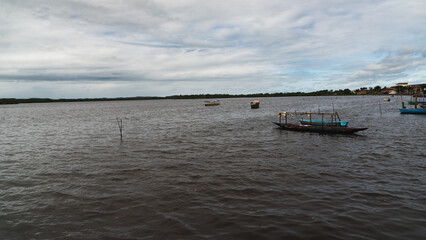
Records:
x=396, y=65
x=194, y=46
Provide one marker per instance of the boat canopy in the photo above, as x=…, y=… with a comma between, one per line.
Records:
x=305, y=113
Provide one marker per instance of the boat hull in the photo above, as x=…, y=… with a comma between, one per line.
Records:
x=412, y=111
x=320, y=129
x=255, y=104
x=211, y=104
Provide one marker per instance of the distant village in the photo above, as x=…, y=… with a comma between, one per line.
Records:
x=400, y=88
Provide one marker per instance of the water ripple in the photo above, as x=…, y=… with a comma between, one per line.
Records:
x=185, y=171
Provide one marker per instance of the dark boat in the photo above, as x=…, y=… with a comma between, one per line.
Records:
x=254, y=104
x=320, y=128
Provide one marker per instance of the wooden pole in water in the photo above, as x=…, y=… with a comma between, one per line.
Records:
x=415, y=101
x=380, y=107
x=120, y=126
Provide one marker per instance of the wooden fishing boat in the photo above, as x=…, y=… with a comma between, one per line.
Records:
x=254, y=104
x=387, y=99
x=211, y=103
x=320, y=129
x=319, y=126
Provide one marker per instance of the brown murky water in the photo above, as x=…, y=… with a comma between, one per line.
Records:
x=186, y=171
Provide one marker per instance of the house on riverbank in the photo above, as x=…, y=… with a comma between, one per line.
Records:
x=405, y=88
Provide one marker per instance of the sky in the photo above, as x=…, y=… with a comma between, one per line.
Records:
x=110, y=48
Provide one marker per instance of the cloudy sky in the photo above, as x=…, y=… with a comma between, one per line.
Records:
x=110, y=48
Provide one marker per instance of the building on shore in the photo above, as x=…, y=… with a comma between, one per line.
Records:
x=405, y=88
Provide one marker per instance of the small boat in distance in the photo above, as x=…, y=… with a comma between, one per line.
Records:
x=254, y=104
x=387, y=99
x=211, y=103
x=316, y=126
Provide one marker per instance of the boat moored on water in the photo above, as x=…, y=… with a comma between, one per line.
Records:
x=332, y=126
x=419, y=106
x=412, y=111
x=414, y=103
x=254, y=104
x=211, y=103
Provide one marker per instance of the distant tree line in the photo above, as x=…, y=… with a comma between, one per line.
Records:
x=279, y=94
x=192, y=96
x=48, y=100
x=340, y=92
x=371, y=90
x=398, y=89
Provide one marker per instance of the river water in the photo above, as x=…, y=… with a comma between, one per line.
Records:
x=186, y=171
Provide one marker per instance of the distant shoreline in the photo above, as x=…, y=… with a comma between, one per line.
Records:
x=194, y=96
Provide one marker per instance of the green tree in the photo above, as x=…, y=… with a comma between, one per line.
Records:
x=347, y=91
x=377, y=89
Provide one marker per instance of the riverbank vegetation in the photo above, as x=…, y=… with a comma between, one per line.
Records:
x=341, y=92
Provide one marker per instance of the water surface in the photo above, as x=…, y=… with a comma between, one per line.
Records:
x=186, y=171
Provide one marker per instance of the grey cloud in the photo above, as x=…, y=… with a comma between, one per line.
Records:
x=394, y=66
x=57, y=78
x=181, y=42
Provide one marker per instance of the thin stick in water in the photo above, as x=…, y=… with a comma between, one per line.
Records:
x=120, y=126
